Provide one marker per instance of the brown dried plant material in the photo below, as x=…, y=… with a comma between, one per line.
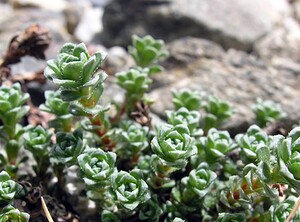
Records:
x=141, y=114
x=30, y=76
x=37, y=117
x=33, y=41
x=275, y=129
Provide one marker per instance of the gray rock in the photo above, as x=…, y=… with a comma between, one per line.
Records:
x=233, y=76
x=217, y=20
x=117, y=60
x=282, y=43
x=53, y=5
x=90, y=22
x=21, y=19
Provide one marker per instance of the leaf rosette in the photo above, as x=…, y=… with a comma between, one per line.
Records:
x=217, y=111
x=135, y=82
x=200, y=181
x=131, y=138
x=150, y=211
x=108, y=216
x=267, y=111
x=216, y=145
x=146, y=51
x=37, y=140
x=8, y=187
x=191, y=100
x=9, y=213
x=74, y=72
x=174, y=145
x=129, y=189
x=250, y=142
x=184, y=116
x=68, y=147
x=11, y=107
x=97, y=166
x=281, y=211
x=288, y=157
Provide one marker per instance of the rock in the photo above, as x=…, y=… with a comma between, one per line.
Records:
x=182, y=52
x=234, y=76
x=6, y=11
x=21, y=19
x=72, y=16
x=281, y=43
x=296, y=8
x=117, y=60
x=53, y=5
x=90, y=23
x=217, y=20
x=99, y=3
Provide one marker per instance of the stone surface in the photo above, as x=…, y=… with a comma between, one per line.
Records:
x=234, y=76
x=217, y=20
x=282, y=45
x=54, y=5
x=21, y=19
x=90, y=23
x=117, y=60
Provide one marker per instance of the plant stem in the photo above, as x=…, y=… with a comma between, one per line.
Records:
x=294, y=211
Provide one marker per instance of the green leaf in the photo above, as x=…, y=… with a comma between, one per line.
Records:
x=155, y=69
x=72, y=71
x=263, y=154
x=70, y=95
x=67, y=48
x=80, y=48
x=149, y=55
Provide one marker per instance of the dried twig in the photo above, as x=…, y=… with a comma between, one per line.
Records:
x=46, y=211
x=294, y=211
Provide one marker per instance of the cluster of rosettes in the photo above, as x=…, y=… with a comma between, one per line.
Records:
x=9, y=190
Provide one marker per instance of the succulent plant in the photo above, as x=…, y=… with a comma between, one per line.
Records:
x=8, y=187
x=135, y=82
x=217, y=111
x=150, y=211
x=55, y=105
x=216, y=145
x=68, y=147
x=37, y=140
x=249, y=143
x=131, y=138
x=184, y=170
x=174, y=145
x=146, y=51
x=12, y=108
x=184, y=116
x=267, y=111
x=280, y=212
x=129, y=189
x=97, y=166
x=9, y=213
x=199, y=181
x=191, y=100
x=74, y=71
x=108, y=216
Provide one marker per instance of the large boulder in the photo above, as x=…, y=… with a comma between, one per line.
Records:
x=281, y=47
x=234, y=76
x=231, y=23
